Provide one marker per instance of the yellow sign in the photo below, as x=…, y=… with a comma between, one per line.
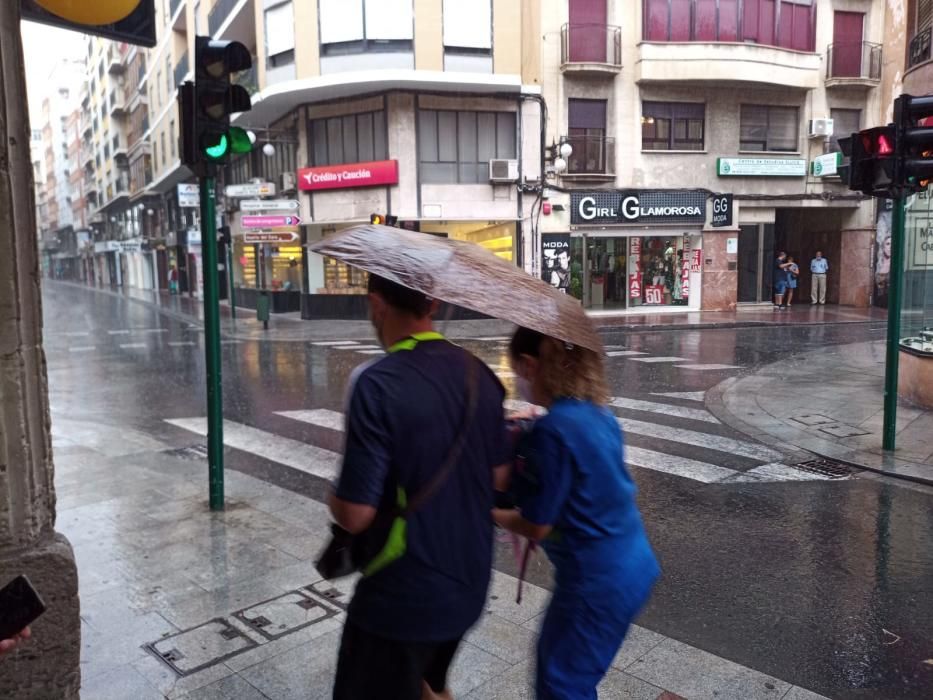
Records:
x=94, y=13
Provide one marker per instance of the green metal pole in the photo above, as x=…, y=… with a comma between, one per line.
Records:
x=895, y=288
x=215, y=436
x=230, y=280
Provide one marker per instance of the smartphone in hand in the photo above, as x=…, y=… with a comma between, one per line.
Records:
x=20, y=605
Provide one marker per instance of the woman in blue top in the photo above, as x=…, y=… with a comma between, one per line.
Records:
x=578, y=500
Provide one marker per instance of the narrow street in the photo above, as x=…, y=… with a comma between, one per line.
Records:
x=820, y=583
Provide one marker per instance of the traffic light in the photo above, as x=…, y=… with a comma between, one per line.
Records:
x=914, y=141
x=206, y=106
x=871, y=155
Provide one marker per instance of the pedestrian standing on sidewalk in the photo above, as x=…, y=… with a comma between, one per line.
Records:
x=793, y=272
x=581, y=507
x=780, y=280
x=173, y=280
x=819, y=266
x=408, y=417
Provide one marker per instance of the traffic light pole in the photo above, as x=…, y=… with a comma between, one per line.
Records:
x=895, y=289
x=215, y=434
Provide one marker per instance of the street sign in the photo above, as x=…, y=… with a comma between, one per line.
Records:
x=270, y=237
x=269, y=221
x=722, y=210
x=253, y=189
x=189, y=196
x=269, y=205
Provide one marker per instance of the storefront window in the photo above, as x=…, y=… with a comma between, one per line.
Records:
x=495, y=236
x=283, y=267
x=244, y=267
x=917, y=307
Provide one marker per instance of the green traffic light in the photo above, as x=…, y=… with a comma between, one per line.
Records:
x=239, y=140
x=218, y=150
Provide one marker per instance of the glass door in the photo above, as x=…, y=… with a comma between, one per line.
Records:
x=756, y=250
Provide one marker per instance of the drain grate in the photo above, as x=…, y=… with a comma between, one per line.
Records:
x=189, y=452
x=829, y=468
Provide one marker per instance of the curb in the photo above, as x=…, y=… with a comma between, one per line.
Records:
x=716, y=405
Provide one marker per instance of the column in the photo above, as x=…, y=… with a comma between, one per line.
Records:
x=48, y=666
x=720, y=278
x=852, y=274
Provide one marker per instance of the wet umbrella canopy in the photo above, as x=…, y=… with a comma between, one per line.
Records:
x=463, y=273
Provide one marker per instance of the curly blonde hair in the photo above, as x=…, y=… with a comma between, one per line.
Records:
x=567, y=371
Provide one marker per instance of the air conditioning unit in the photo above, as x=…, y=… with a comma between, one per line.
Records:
x=287, y=182
x=821, y=127
x=503, y=170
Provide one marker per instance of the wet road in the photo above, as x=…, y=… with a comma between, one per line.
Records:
x=824, y=584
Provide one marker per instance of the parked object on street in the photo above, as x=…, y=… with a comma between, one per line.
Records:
x=583, y=512
x=430, y=497
x=819, y=266
x=461, y=273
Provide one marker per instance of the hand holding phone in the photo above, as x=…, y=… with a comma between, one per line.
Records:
x=9, y=644
x=20, y=605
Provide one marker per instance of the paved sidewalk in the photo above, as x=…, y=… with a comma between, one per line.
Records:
x=230, y=605
x=829, y=402
x=290, y=326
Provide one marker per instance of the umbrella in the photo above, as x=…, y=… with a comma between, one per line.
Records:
x=463, y=273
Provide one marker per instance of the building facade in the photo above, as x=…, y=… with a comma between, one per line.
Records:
x=665, y=104
x=597, y=143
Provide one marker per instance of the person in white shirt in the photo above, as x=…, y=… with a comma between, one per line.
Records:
x=819, y=266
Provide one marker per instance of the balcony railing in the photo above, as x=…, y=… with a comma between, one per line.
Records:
x=181, y=69
x=853, y=60
x=591, y=44
x=219, y=14
x=592, y=155
x=920, y=48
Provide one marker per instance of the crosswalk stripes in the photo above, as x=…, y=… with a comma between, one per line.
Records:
x=686, y=395
x=666, y=409
x=624, y=353
x=707, y=367
x=652, y=360
x=82, y=348
x=292, y=453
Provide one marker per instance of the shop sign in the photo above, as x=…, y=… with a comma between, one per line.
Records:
x=761, y=167
x=722, y=211
x=634, y=286
x=194, y=236
x=332, y=177
x=638, y=207
x=654, y=294
x=252, y=189
x=922, y=248
x=189, y=196
x=131, y=246
x=826, y=165
x=107, y=246
x=277, y=237
x=269, y=221
x=269, y=205
x=685, y=269
x=555, y=268
x=696, y=264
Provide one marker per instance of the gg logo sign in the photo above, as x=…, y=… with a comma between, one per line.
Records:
x=722, y=210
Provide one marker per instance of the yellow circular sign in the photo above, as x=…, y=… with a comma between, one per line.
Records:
x=84, y=12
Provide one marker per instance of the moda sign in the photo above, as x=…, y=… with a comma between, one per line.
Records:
x=332, y=177
x=638, y=207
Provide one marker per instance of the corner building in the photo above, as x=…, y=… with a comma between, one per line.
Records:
x=666, y=104
x=427, y=110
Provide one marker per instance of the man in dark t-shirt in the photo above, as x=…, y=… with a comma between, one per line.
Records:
x=405, y=413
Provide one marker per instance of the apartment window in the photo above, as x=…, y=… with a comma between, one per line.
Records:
x=768, y=128
x=357, y=26
x=100, y=70
x=789, y=24
x=456, y=147
x=155, y=153
x=586, y=131
x=468, y=35
x=280, y=35
x=845, y=123
x=169, y=75
x=106, y=151
x=162, y=143
x=354, y=138
x=159, y=86
x=172, y=140
x=116, y=142
x=672, y=126
x=97, y=160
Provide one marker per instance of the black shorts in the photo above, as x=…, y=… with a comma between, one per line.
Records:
x=370, y=667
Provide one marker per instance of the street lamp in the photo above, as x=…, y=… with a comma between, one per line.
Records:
x=268, y=150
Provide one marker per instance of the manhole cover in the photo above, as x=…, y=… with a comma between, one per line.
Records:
x=285, y=614
x=203, y=646
x=826, y=467
x=190, y=452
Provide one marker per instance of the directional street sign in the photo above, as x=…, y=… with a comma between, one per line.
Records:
x=270, y=237
x=269, y=205
x=253, y=189
x=269, y=221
